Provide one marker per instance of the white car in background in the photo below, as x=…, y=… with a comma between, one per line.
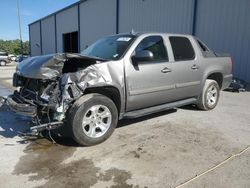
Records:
x=4, y=58
x=12, y=57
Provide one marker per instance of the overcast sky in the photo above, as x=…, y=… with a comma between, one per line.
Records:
x=30, y=10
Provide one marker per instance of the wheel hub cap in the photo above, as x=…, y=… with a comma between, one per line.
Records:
x=212, y=95
x=96, y=121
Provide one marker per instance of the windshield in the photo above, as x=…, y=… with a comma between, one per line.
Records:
x=110, y=48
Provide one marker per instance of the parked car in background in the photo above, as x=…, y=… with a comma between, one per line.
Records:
x=20, y=58
x=12, y=57
x=120, y=76
x=4, y=58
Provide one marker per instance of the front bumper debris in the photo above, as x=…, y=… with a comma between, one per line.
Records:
x=2, y=101
x=25, y=107
x=46, y=126
x=21, y=106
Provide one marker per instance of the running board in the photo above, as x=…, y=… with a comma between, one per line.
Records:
x=155, y=109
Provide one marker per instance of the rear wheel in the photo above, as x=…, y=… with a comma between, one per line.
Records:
x=2, y=63
x=210, y=95
x=93, y=118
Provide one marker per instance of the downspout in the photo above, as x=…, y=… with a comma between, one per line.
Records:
x=194, y=17
x=117, y=16
x=41, y=42
x=29, y=42
x=55, y=34
x=79, y=28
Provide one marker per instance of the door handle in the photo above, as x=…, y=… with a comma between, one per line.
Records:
x=166, y=70
x=195, y=67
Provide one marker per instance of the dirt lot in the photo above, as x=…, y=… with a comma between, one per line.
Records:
x=177, y=148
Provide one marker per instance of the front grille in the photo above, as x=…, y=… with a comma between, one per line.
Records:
x=18, y=81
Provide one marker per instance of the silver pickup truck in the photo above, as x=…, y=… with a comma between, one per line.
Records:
x=120, y=76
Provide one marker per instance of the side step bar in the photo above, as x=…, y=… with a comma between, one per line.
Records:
x=155, y=109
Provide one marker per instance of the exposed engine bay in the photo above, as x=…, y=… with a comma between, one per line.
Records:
x=48, y=85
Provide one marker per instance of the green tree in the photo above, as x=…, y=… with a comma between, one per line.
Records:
x=14, y=46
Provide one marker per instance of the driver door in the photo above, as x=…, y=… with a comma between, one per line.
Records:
x=151, y=82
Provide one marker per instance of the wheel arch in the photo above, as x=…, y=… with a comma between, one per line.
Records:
x=216, y=76
x=108, y=91
x=4, y=61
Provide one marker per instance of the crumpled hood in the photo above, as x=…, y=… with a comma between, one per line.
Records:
x=47, y=66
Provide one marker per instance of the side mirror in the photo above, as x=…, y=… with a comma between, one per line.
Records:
x=144, y=55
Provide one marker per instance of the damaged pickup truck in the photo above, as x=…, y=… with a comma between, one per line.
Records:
x=120, y=76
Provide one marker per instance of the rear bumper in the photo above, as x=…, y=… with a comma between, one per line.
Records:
x=21, y=106
x=227, y=79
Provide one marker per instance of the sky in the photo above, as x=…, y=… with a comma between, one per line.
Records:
x=30, y=11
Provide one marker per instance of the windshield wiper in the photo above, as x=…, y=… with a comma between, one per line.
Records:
x=95, y=57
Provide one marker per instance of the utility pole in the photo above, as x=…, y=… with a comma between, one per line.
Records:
x=20, y=30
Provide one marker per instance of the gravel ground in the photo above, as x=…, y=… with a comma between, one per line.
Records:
x=177, y=148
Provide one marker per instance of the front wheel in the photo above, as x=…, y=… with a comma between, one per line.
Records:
x=2, y=63
x=93, y=118
x=210, y=95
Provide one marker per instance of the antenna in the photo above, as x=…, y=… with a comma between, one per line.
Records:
x=133, y=31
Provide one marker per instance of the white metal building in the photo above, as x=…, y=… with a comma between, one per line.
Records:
x=224, y=25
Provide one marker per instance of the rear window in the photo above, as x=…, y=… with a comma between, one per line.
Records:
x=202, y=46
x=206, y=52
x=182, y=48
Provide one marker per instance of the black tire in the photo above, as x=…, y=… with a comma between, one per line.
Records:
x=203, y=103
x=79, y=110
x=3, y=63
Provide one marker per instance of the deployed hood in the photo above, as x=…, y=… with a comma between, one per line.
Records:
x=48, y=66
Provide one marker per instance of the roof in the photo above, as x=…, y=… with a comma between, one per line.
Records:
x=153, y=33
x=61, y=10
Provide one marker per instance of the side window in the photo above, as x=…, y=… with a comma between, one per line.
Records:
x=156, y=45
x=182, y=48
x=3, y=54
x=206, y=52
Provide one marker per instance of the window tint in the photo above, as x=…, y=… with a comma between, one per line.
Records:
x=182, y=48
x=155, y=45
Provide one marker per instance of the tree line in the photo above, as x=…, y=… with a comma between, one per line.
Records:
x=14, y=46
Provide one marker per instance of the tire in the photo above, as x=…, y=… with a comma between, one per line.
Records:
x=2, y=63
x=92, y=119
x=210, y=95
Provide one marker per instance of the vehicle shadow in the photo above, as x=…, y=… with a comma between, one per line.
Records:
x=52, y=139
x=126, y=122
x=11, y=124
x=190, y=107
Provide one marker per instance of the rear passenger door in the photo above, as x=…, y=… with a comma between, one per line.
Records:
x=186, y=67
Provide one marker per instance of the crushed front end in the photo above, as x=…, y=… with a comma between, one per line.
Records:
x=48, y=86
x=43, y=100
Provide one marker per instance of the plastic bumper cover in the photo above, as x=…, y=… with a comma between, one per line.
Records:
x=227, y=81
x=20, y=105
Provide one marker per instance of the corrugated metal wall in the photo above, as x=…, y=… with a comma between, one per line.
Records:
x=97, y=19
x=35, y=39
x=174, y=16
x=48, y=35
x=66, y=22
x=224, y=25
